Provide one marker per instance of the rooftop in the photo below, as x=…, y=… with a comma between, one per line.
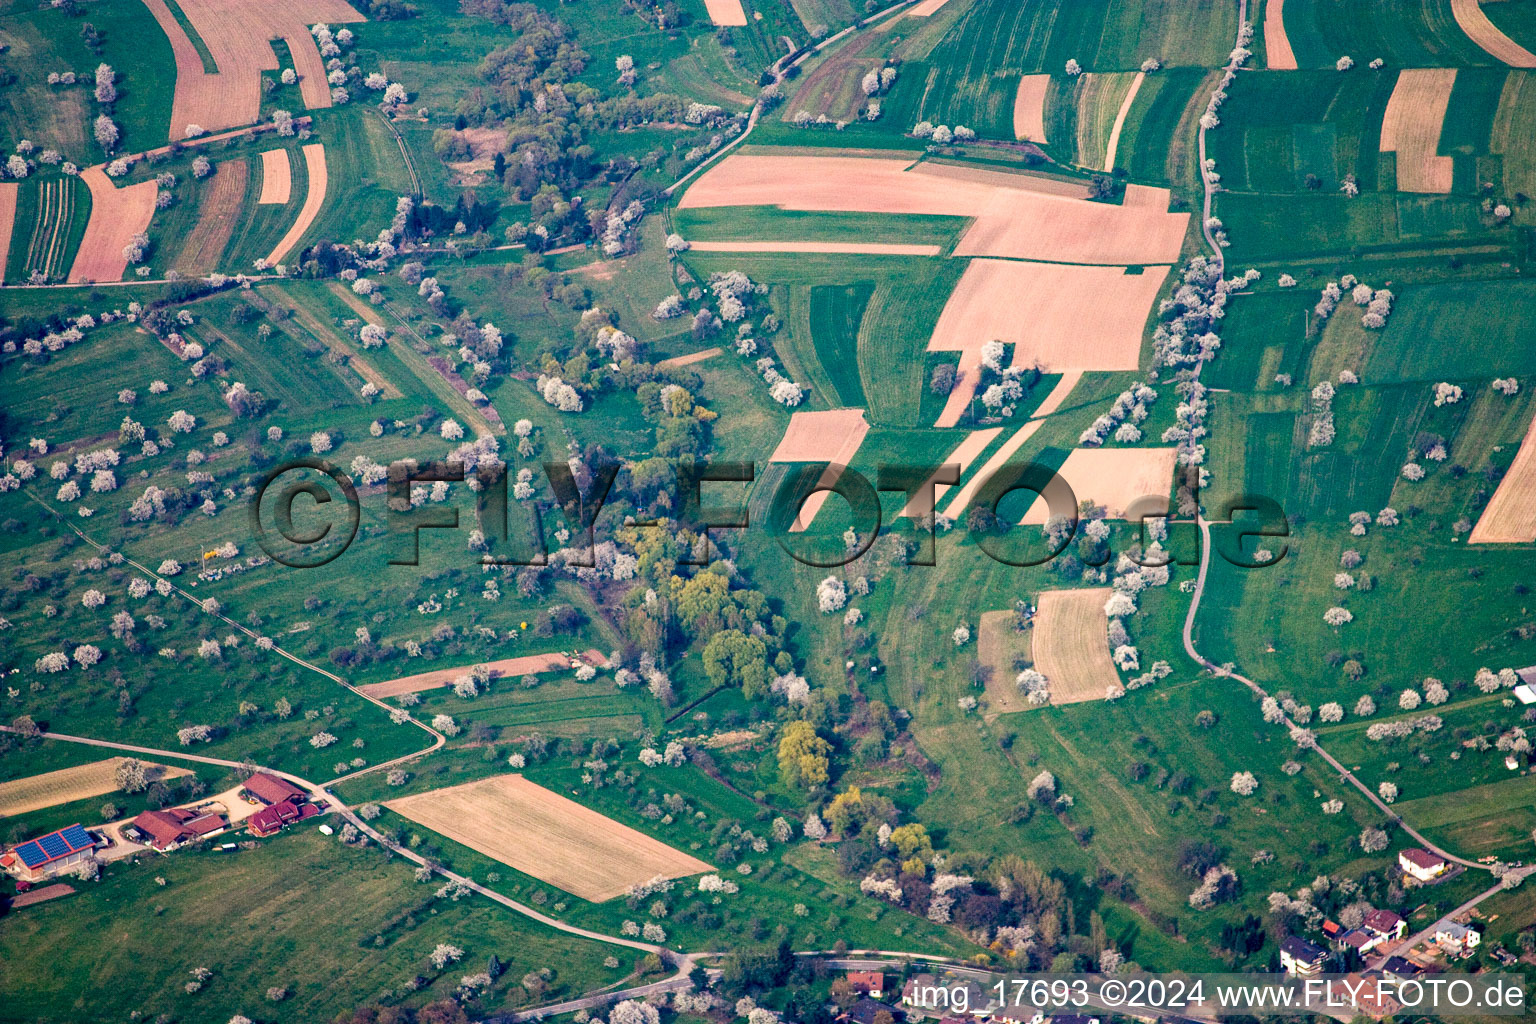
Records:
x=1422, y=858
x=34, y=853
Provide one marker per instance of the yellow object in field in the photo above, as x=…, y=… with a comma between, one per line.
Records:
x=522, y=625
x=209, y=554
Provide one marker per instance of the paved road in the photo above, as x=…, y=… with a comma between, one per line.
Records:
x=1427, y=933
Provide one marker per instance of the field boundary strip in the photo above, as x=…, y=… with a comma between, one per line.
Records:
x=1278, y=55
x=1469, y=15
x=314, y=201
x=851, y=248
x=8, y=193
x=1510, y=515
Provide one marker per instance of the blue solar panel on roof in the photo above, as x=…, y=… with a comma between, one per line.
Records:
x=77, y=837
x=53, y=845
x=31, y=854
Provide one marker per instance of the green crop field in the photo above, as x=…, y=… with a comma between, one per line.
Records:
x=1415, y=33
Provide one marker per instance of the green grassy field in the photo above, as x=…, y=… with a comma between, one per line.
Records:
x=971, y=77
x=333, y=926
x=43, y=40
x=1419, y=33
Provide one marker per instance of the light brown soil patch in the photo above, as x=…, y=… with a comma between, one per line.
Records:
x=1469, y=15
x=484, y=144
x=1029, y=108
x=1080, y=318
x=43, y=895
x=1114, y=478
x=8, y=190
x=541, y=833
x=1019, y=220
x=1147, y=195
x=965, y=453
x=1510, y=517
x=819, y=436
x=1071, y=644
x=1022, y=225
x=926, y=9
x=223, y=199
x=726, y=12
x=35, y=792
x=238, y=34
x=117, y=214
x=276, y=177
x=1411, y=129
x=999, y=458
x=1125, y=108
x=832, y=437
x=998, y=643
x=506, y=668
x=692, y=357
x=314, y=200
x=871, y=248
x=1278, y=55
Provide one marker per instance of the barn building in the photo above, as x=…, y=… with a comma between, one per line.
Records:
x=173, y=827
x=266, y=788
x=49, y=855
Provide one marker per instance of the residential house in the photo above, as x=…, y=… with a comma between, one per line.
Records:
x=1364, y=993
x=868, y=983
x=1359, y=940
x=1421, y=864
x=1300, y=957
x=271, y=820
x=867, y=1011
x=269, y=789
x=165, y=830
x=1456, y=939
x=49, y=855
x=1332, y=930
x=1383, y=926
x=1399, y=967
